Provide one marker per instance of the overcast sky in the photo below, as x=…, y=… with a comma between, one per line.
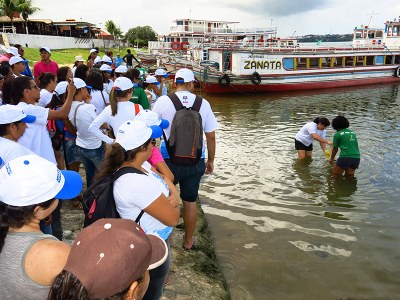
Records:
x=292, y=17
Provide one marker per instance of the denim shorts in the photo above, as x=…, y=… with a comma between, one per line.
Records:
x=188, y=178
x=70, y=151
x=348, y=162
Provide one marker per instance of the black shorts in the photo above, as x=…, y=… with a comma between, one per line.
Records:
x=300, y=146
x=348, y=162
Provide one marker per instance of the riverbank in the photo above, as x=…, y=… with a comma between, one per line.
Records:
x=194, y=275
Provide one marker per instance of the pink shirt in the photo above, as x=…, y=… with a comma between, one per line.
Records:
x=5, y=57
x=41, y=67
x=155, y=157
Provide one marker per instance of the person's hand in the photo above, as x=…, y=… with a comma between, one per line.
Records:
x=331, y=161
x=329, y=142
x=209, y=166
x=71, y=88
x=174, y=199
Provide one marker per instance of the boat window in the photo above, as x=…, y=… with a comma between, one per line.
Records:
x=301, y=63
x=360, y=61
x=388, y=59
x=370, y=61
x=379, y=59
x=314, y=62
x=179, y=22
x=379, y=34
x=288, y=63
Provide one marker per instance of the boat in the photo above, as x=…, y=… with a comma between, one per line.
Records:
x=373, y=58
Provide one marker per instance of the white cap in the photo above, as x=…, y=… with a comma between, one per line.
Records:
x=12, y=50
x=97, y=60
x=152, y=79
x=161, y=72
x=79, y=58
x=93, y=50
x=11, y=113
x=16, y=59
x=61, y=87
x=123, y=84
x=151, y=118
x=31, y=179
x=185, y=74
x=105, y=68
x=121, y=69
x=133, y=134
x=45, y=49
x=79, y=83
x=106, y=59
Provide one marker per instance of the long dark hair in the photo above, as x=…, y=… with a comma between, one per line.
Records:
x=16, y=217
x=45, y=78
x=322, y=120
x=18, y=86
x=95, y=80
x=114, y=94
x=7, y=95
x=116, y=157
x=62, y=74
x=81, y=72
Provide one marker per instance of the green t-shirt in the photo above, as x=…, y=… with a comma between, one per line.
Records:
x=139, y=97
x=346, y=141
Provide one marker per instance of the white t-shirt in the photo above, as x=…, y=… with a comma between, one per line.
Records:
x=84, y=117
x=108, y=86
x=97, y=100
x=36, y=137
x=125, y=112
x=134, y=192
x=45, y=97
x=10, y=150
x=153, y=97
x=304, y=135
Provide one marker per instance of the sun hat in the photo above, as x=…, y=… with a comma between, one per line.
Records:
x=151, y=118
x=93, y=50
x=61, y=87
x=12, y=50
x=16, y=59
x=133, y=134
x=79, y=58
x=105, y=68
x=152, y=79
x=115, y=252
x=79, y=83
x=45, y=49
x=184, y=75
x=122, y=84
x=121, y=69
x=161, y=72
x=31, y=179
x=106, y=59
x=11, y=113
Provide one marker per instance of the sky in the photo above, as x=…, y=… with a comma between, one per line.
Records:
x=291, y=17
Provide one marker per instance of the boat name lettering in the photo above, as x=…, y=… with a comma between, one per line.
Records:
x=256, y=56
x=264, y=64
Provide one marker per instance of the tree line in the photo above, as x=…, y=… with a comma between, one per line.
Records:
x=139, y=35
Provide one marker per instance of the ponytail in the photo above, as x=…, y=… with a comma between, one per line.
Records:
x=113, y=102
x=4, y=225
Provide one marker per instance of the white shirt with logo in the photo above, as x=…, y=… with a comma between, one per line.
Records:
x=304, y=135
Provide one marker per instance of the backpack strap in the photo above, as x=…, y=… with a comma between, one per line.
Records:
x=197, y=103
x=137, y=108
x=175, y=100
x=76, y=110
x=104, y=99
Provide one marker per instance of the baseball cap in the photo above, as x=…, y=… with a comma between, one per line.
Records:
x=79, y=83
x=121, y=69
x=31, y=179
x=16, y=59
x=12, y=50
x=106, y=59
x=151, y=118
x=11, y=113
x=122, y=84
x=115, y=252
x=97, y=60
x=184, y=75
x=105, y=68
x=79, y=58
x=133, y=134
x=152, y=79
x=161, y=72
x=45, y=49
x=61, y=87
x=93, y=50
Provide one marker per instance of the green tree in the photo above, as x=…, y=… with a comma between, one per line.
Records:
x=141, y=35
x=8, y=8
x=25, y=8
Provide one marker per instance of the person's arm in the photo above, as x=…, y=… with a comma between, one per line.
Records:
x=158, y=89
x=71, y=128
x=63, y=112
x=333, y=154
x=163, y=169
x=97, y=124
x=124, y=59
x=211, y=142
x=133, y=56
x=164, y=210
x=320, y=139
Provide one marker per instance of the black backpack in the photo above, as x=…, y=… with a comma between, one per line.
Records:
x=185, y=143
x=98, y=199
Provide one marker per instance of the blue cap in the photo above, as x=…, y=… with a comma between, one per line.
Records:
x=72, y=185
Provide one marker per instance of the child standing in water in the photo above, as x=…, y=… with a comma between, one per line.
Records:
x=346, y=140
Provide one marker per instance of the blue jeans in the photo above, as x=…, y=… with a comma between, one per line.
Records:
x=157, y=278
x=91, y=159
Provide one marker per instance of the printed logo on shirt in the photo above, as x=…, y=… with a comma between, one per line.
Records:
x=8, y=169
x=185, y=99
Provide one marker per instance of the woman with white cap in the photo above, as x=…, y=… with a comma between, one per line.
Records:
x=150, y=86
x=92, y=56
x=107, y=73
x=119, y=110
x=47, y=84
x=148, y=192
x=30, y=189
x=117, y=255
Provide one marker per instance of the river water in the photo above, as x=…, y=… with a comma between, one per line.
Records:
x=285, y=229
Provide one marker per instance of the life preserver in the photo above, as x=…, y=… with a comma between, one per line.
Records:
x=255, y=78
x=224, y=80
x=176, y=46
x=185, y=46
x=397, y=72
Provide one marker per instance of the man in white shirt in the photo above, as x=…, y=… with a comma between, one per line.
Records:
x=188, y=176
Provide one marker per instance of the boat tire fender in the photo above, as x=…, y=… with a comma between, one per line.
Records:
x=397, y=72
x=176, y=46
x=224, y=80
x=255, y=78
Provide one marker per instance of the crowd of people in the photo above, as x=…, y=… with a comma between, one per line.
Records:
x=102, y=115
